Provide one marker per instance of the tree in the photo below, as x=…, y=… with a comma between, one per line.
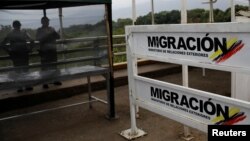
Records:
x=198, y=16
x=219, y=16
x=142, y=20
x=119, y=26
x=5, y=29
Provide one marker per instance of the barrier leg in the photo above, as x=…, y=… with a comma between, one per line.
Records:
x=187, y=134
x=137, y=111
x=110, y=99
x=203, y=72
x=89, y=91
x=133, y=132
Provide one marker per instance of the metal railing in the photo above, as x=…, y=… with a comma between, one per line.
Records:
x=119, y=47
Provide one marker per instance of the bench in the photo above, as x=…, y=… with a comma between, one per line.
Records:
x=13, y=79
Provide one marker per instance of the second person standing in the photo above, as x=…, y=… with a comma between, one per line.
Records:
x=47, y=36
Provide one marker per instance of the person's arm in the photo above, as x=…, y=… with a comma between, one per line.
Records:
x=54, y=34
x=28, y=38
x=39, y=35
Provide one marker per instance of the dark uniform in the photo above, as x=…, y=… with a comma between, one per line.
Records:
x=47, y=37
x=17, y=48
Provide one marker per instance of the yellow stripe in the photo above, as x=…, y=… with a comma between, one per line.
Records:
x=231, y=42
x=219, y=51
x=215, y=54
x=232, y=112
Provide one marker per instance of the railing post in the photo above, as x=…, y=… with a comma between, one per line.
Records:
x=133, y=12
x=108, y=18
x=232, y=11
x=152, y=12
x=187, y=135
x=133, y=132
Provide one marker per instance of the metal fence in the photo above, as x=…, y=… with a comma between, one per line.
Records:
x=119, y=48
x=119, y=51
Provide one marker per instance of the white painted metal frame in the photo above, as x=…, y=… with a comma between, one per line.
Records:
x=133, y=11
x=175, y=115
x=133, y=132
x=192, y=28
x=187, y=133
x=133, y=55
x=239, y=81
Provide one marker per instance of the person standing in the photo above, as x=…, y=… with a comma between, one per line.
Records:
x=47, y=36
x=18, y=49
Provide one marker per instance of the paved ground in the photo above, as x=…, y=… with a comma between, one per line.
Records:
x=79, y=123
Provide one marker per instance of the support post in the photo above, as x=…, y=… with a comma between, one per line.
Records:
x=44, y=13
x=152, y=12
x=108, y=19
x=211, y=20
x=232, y=11
x=233, y=74
x=61, y=31
x=89, y=91
x=183, y=11
x=239, y=81
x=187, y=135
x=211, y=13
x=61, y=23
x=133, y=12
x=133, y=132
x=249, y=5
x=134, y=20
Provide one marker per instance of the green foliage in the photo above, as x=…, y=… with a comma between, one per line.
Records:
x=240, y=7
x=169, y=17
x=173, y=17
x=4, y=30
x=99, y=29
x=118, y=27
x=198, y=16
x=143, y=20
x=74, y=31
x=227, y=15
x=86, y=30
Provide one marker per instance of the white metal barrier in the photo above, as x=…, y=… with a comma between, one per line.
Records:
x=224, y=46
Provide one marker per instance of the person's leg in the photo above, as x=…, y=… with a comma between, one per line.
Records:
x=44, y=66
x=17, y=60
x=25, y=63
x=53, y=59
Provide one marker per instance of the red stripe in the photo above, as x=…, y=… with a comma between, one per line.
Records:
x=235, y=120
x=229, y=54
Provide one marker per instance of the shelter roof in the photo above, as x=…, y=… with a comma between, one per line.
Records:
x=47, y=4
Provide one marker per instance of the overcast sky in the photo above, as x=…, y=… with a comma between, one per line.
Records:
x=122, y=8
x=93, y=14
x=71, y=16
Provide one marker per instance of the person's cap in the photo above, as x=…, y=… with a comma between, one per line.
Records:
x=16, y=23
